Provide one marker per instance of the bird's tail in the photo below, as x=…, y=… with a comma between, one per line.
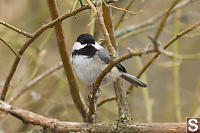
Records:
x=133, y=80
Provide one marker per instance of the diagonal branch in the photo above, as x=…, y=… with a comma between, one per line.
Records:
x=120, y=33
x=9, y=46
x=166, y=45
x=16, y=29
x=123, y=14
x=78, y=101
x=161, y=25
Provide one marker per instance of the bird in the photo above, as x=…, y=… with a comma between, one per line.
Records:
x=89, y=59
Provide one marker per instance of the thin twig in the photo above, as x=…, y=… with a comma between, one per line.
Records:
x=92, y=6
x=98, y=13
x=9, y=46
x=16, y=29
x=166, y=45
x=152, y=20
x=105, y=100
x=33, y=82
x=124, y=10
x=161, y=25
x=123, y=14
x=78, y=101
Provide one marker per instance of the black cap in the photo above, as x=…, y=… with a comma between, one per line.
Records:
x=85, y=38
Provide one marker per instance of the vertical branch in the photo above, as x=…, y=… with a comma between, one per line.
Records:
x=119, y=91
x=98, y=12
x=66, y=60
x=122, y=102
x=91, y=116
x=107, y=15
x=176, y=79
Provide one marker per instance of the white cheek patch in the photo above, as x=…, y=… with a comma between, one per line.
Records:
x=78, y=45
x=97, y=46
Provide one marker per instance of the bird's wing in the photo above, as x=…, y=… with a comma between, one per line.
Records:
x=104, y=56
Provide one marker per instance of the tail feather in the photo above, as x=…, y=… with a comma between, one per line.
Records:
x=133, y=80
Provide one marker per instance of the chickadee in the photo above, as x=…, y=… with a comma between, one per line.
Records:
x=90, y=59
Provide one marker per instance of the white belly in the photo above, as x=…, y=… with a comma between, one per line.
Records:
x=88, y=69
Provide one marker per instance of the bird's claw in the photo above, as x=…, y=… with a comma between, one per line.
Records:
x=95, y=98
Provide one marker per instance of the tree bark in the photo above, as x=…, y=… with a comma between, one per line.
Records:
x=54, y=125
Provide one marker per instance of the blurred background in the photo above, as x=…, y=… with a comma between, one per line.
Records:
x=173, y=84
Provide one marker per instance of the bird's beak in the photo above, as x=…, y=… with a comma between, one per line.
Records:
x=89, y=44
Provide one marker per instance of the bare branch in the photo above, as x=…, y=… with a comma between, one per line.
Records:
x=152, y=20
x=9, y=46
x=123, y=14
x=78, y=101
x=16, y=29
x=161, y=25
x=166, y=45
x=61, y=126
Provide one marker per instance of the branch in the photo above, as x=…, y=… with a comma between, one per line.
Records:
x=10, y=47
x=166, y=45
x=161, y=25
x=78, y=101
x=29, y=42
x=139, y=53
x=16, y=29
x=107, y=29
x=123, y=14
x=55, y=125
x=122, y=102
x=152, y=20
x=33, y=82
x=99, y=14
x=119, y=91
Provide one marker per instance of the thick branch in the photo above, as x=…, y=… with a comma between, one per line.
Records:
x=60, y=126
x=66, y=61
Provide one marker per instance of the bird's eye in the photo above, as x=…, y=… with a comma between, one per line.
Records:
x=83, y=42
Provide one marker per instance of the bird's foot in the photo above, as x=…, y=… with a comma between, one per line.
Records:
x=89, y=98
x=98, y=90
